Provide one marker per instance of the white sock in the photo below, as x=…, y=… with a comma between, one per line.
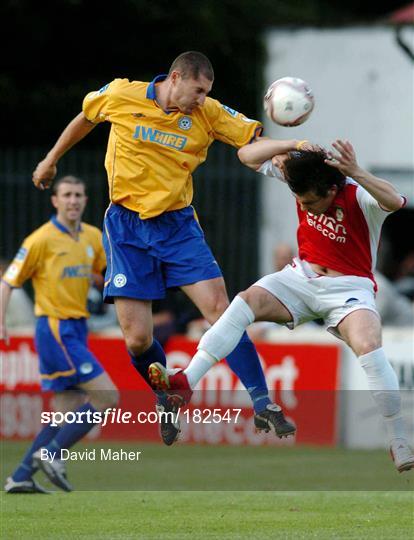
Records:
x=220, y=339
x=198, y=367
x=383, y=384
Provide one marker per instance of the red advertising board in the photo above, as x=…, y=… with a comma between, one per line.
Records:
x=303, y=378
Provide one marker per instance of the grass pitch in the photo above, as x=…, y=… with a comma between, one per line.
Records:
x=302, y=506
x=208, y=515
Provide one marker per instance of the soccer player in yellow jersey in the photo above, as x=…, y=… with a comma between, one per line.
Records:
x=160, y=132
x=61, y=258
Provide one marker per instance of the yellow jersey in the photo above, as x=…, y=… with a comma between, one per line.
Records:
x=152, y=153
x=60, y=267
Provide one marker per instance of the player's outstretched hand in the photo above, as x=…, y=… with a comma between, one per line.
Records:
x=44, y=174
x=344, y=159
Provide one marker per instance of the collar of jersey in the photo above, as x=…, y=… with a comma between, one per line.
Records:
x=151, y=89
x=61, y=227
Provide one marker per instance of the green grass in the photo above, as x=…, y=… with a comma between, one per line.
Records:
x=205, y=515
x=195, y=467
x=295, y=496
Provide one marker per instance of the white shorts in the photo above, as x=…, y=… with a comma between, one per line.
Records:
x=309, y=296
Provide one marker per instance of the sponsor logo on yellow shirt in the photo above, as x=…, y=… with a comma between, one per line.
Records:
x=78, y=271
x=160, y=137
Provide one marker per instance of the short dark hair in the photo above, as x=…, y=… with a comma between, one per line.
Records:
x=69, y=179
x=193, y=64
x=306, y=170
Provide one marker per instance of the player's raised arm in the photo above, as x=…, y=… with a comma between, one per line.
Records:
x=382, y=190
x=75, y=131
x=255, y=154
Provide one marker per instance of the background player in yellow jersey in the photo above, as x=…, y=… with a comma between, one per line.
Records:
x=160, y=132
x=61, y=258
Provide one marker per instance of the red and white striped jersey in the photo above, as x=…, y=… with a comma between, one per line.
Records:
x=346, y=237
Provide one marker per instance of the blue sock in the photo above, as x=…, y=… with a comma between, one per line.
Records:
x=69, y=434
x=25, y=470
x=142, y=362
x=245, y=363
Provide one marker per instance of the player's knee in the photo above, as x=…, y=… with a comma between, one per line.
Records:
x=105, y=399
x=252, y=299
x=246, y=295
x=138, y=343
x=365, y=345
x=112, y=399
x=216, y=308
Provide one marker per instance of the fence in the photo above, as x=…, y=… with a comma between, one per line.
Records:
x=226, y=200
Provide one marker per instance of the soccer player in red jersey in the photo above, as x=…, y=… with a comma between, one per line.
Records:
x=341, y=209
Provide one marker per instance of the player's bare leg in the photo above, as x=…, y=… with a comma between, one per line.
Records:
x=265, y=306
x=135, y=319
x=210, y=297
x=362, y=332
x=68, y=400
x=101, y=392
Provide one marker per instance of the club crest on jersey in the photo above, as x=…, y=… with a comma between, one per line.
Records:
x=90, y=252
x=86, y=368
x=120, y=280
x=339, y=213
x=185, y=123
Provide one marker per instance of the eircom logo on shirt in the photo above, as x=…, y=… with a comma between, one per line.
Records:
x=328, y=227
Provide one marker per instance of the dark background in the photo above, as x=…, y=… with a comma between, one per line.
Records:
x=54, y=52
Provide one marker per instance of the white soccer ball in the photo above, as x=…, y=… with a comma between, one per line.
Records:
x=289, y=101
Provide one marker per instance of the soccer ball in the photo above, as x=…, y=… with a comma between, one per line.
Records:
x=289, y=101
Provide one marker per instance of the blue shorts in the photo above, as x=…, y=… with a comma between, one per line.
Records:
x=64, y=357
x=145, y=257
